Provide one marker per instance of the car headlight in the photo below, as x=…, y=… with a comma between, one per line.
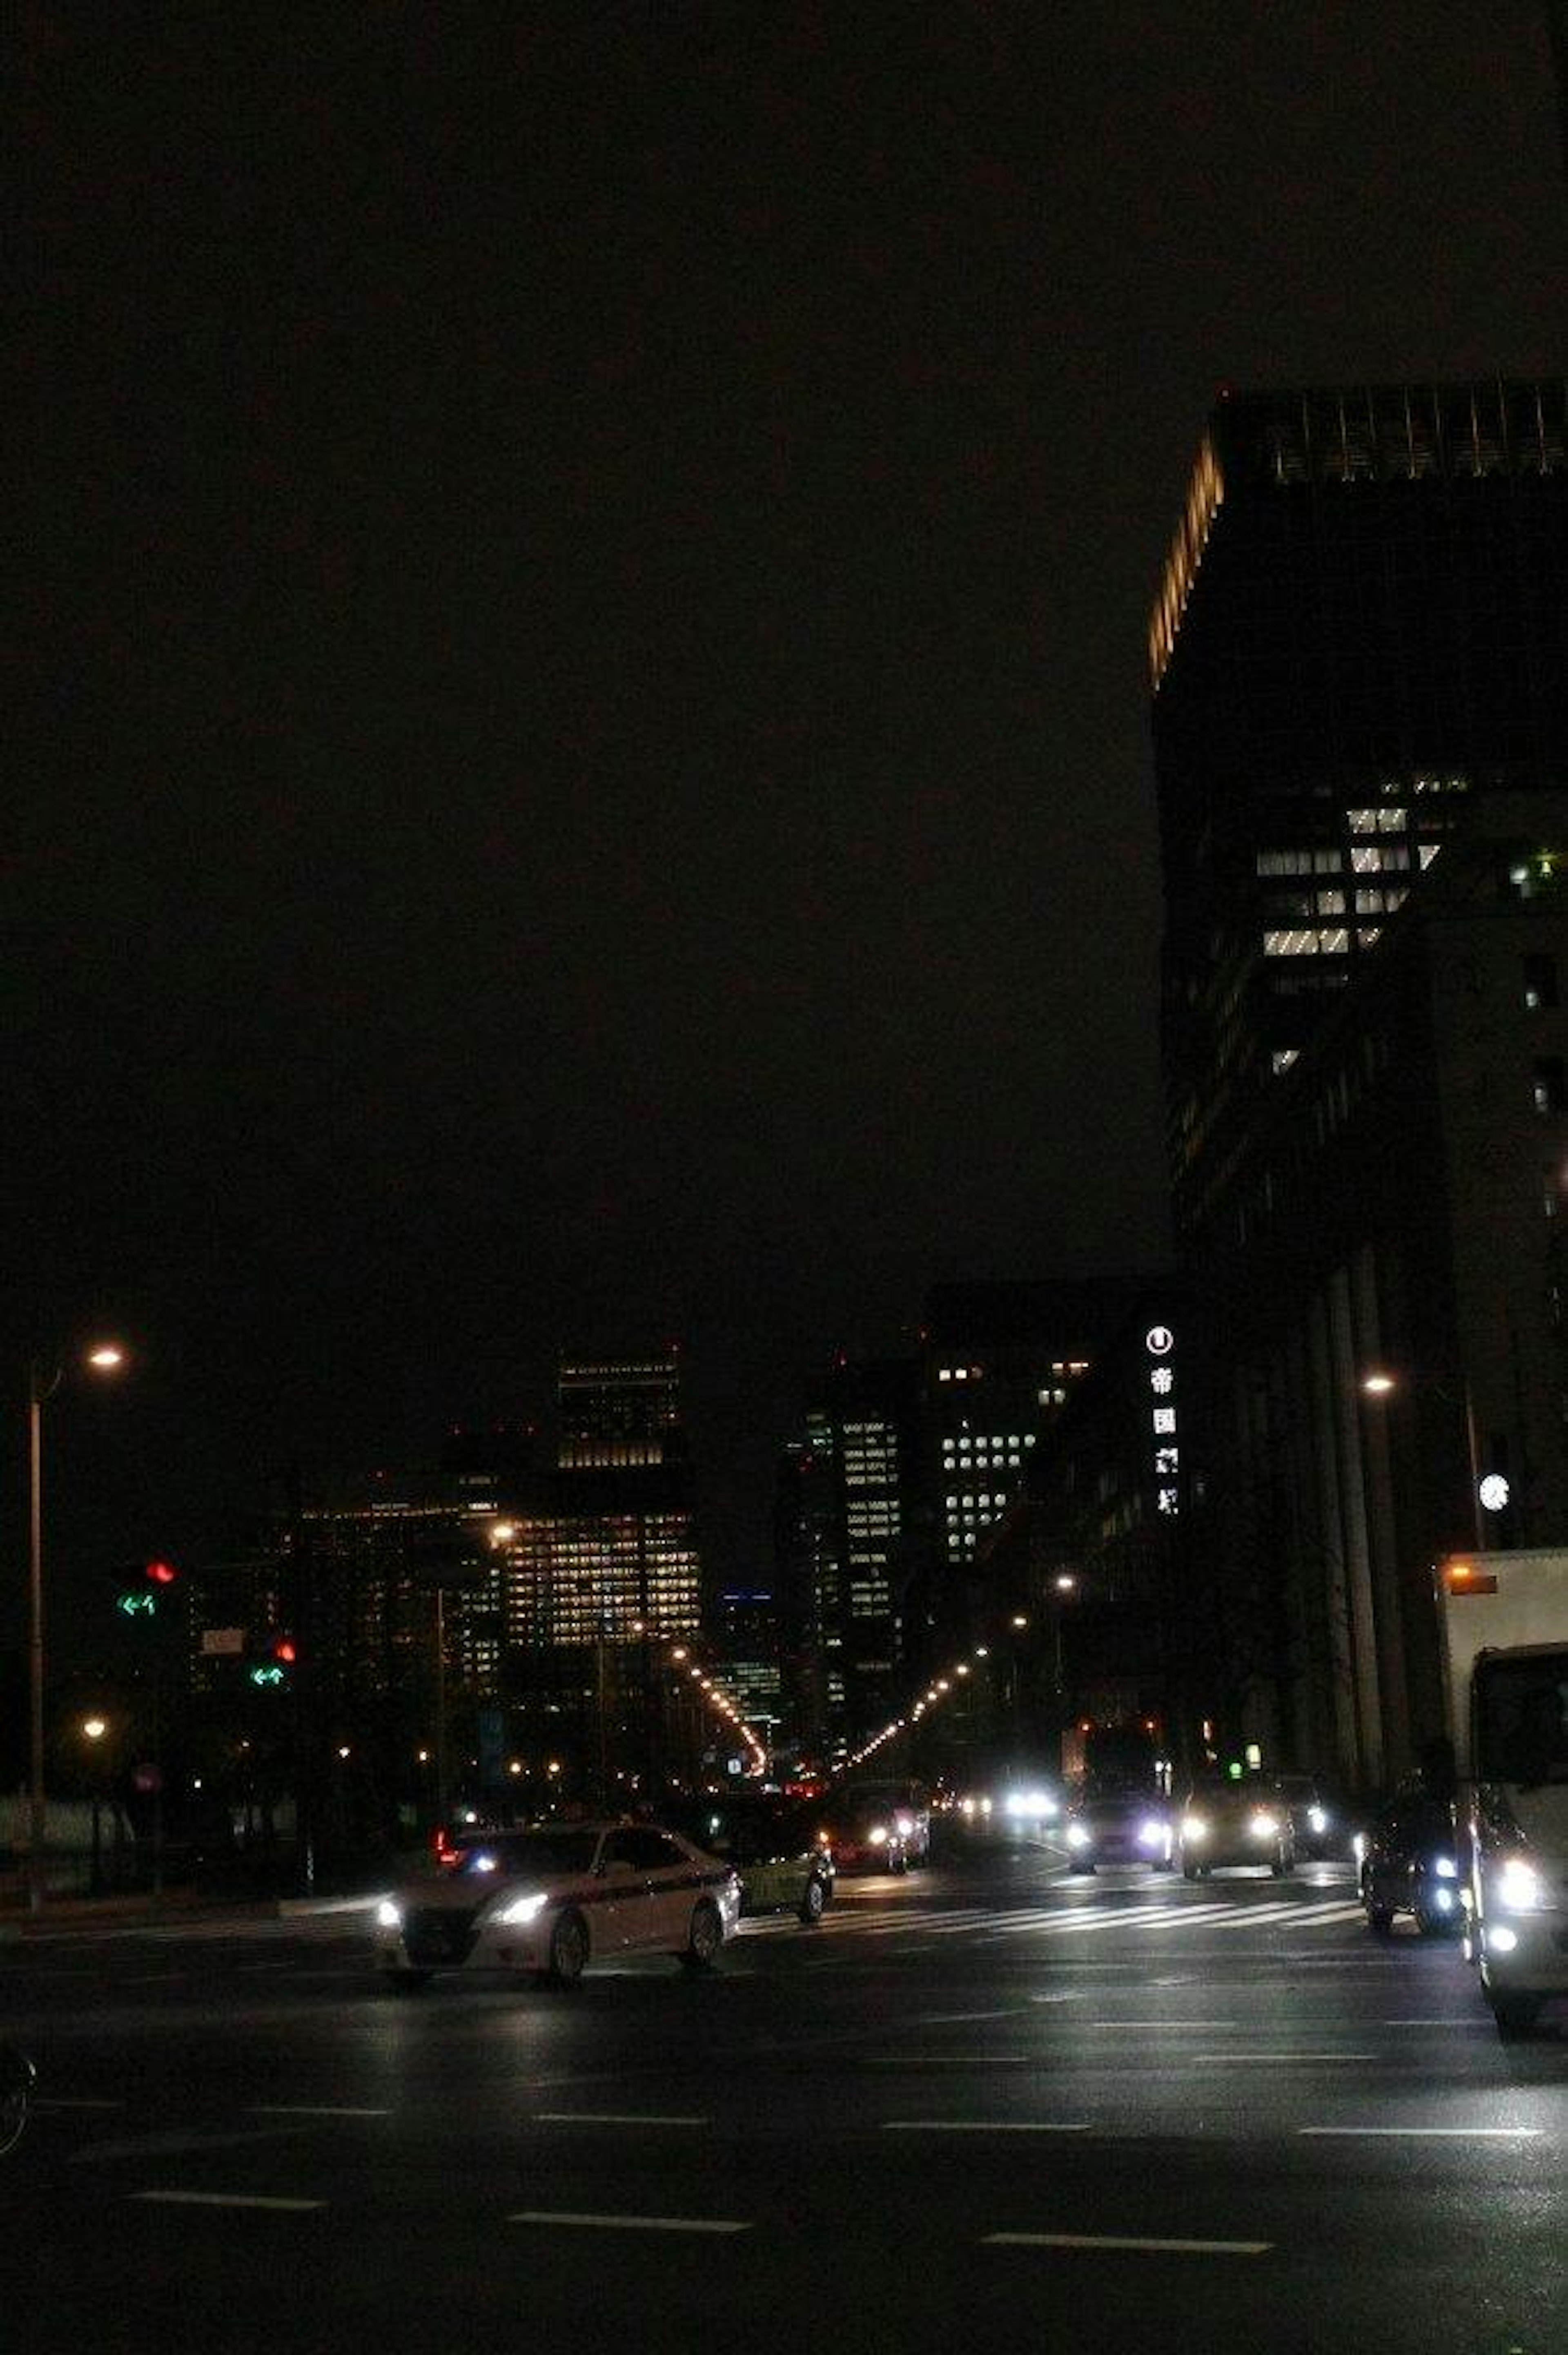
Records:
x=388, y=1916
x=1318, y=1819
x=1519, y=1886
x=1445, y=1867
x=1263, y=1826
x=1078, y=1836
x=1194, y=1827
x=1151, y=1832
x=877, y=1836
x=904, y=1826
x=521, y=1909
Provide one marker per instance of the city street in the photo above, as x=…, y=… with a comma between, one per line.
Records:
x=987, y=2103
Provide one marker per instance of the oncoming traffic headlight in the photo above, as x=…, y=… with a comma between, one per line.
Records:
x=877, y=1836
x=1519, y=1886
x=1078, y=1836
x=1194, y=1827
x=388, y=1916
x=1263, y=1826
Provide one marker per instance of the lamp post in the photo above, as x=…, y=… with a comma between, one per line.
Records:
x=93, y=1729
x=1378, y=1384
x=42, y=1384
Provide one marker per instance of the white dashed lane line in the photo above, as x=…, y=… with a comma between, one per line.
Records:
x=985, y=2126
x=1122, y=2242
x=1435, y=2134
x=613, y=2118
x=223, y=2200
x=630, y=2223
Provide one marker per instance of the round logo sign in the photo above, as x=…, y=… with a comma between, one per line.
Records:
x=1494, y=1493
x=1160, y=1340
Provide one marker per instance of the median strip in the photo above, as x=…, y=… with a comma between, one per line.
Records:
x=629, y=2223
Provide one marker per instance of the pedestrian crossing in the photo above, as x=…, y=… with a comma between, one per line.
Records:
x=1073, y=1917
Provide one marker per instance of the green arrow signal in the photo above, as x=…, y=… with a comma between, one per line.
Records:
x=137, y=1606
x=266, y=1676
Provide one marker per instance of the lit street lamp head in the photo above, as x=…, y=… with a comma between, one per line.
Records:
x=1378, y=1385
x=107, y=1358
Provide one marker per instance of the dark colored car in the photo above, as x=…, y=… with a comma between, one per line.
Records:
x=1119, y=1828
x=1320, y=1824
x=1224, y=1823
x=775, y=1847
x=862, y=1833
x=1408, y=1866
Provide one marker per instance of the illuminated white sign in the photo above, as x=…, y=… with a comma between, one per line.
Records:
x=1165, y=1455
x=1494, y=1493
x=1159, y=1340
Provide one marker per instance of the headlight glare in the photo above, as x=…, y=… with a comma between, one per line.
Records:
x=1263, y=1826
x=1519, y=1886
x=1445, y=1867
x=1078, y=1836
x=388, y=1916
x=521, y=1909
x=1194, y=1827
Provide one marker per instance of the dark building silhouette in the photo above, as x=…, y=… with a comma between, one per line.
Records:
x=1361, y=623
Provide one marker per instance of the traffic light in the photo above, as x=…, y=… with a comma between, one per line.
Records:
x=141, y=1585
x=278, y=1658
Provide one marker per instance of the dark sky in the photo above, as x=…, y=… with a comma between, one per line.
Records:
x=587, y=767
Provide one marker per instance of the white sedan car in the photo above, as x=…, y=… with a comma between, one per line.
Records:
x=550, y=1901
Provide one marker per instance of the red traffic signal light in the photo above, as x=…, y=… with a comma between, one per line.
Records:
x=285, y=1650
x=160, y=1573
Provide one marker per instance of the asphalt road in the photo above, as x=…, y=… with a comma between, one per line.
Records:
x=987, y=2106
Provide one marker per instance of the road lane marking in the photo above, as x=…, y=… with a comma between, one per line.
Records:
x=629, y=2223
x=615, y=2118
x=73, y=2101
x=223, y=2200
x=942, y=2060
x=314, y=2110
x=957, y=2018
x=1438, y=2019
x=985, y=2126
x=1124, y=2241
x=1440, y=2134
x=1236, y=2060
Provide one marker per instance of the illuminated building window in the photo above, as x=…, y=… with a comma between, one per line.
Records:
x=1550, y=1087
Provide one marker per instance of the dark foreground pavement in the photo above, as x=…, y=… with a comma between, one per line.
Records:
x=984, y=2106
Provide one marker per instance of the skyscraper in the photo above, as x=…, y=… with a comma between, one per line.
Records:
x=619, y=1411
x=1362, y=621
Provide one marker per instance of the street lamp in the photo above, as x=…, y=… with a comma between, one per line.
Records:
x=1378, y=1383
x=106, y=1358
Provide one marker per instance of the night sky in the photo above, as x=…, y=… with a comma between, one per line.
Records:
x=585, y=769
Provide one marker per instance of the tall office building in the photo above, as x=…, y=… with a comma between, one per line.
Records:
x=615, y=1412
x=846, y=1496
x=1361, y=623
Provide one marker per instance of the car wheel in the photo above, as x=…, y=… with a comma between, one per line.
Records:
x=1434, y=1925
x=568, y=1950
x=813, y=1899
x=1190, y=1871
x=1516, y=2015
x=407, y=1982
x=900, y=1863
x=1080, y=1864
x=1281, y=1865
x=705, y=1937
x=1379, y=1920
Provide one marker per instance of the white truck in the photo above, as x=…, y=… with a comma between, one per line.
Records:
x=1504, y=1618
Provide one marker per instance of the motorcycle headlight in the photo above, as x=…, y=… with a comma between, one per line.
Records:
x=1078, y=1836
x=1445, y=1867
x=1263, y=1826
x=521, y=1909
x=388, y=1916
x=1519, y=1886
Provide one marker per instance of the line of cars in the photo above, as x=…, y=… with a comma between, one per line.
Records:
x=1217, y=1823
x=545, y=1901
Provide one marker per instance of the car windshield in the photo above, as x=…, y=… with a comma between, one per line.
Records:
x=1521, y=1720
x=508, y=1854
